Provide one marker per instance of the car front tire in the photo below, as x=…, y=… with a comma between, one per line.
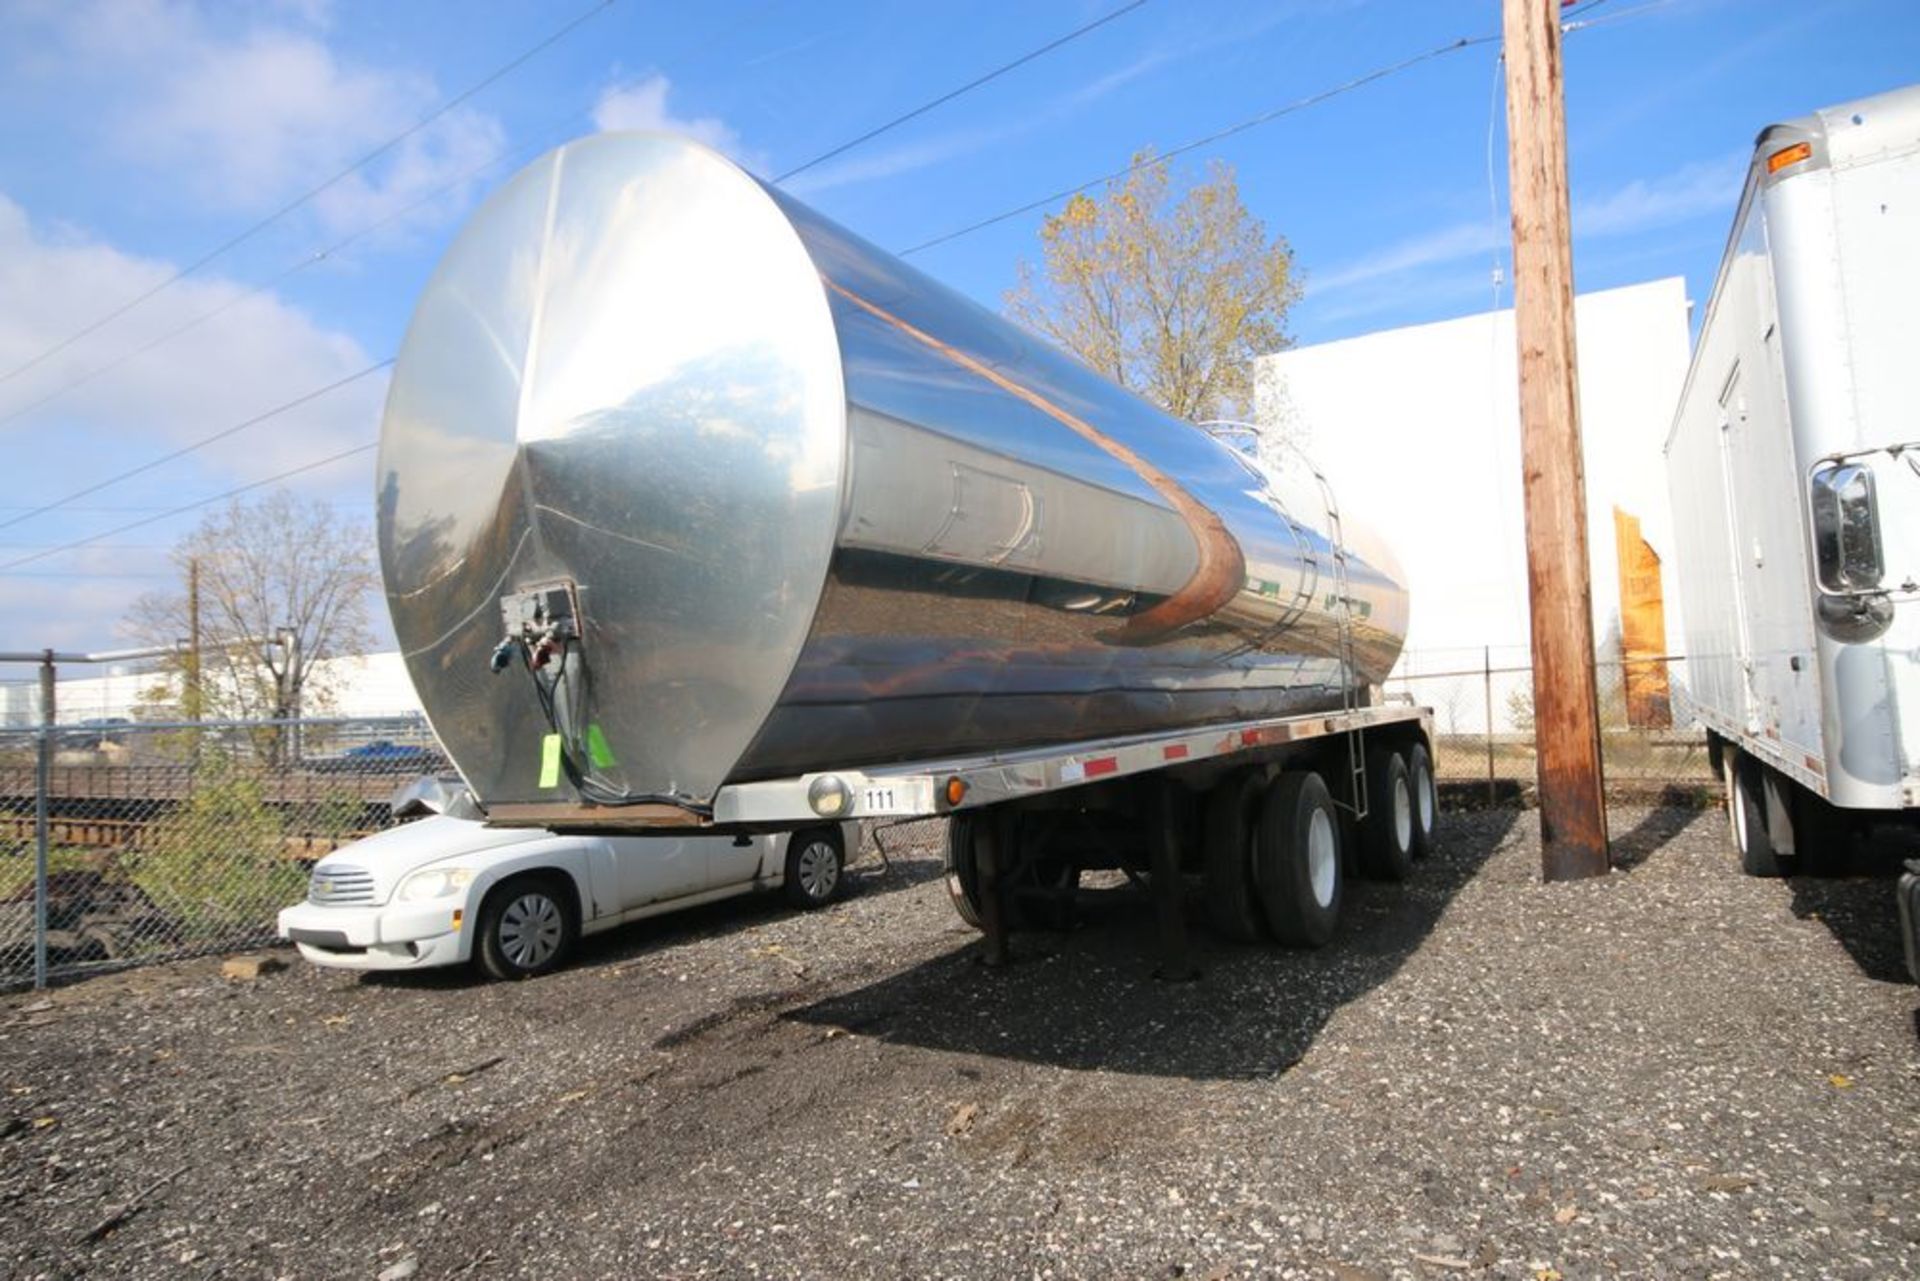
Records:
x=816, y=868
x=528, y=927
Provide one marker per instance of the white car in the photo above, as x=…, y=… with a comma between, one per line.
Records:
x=448, y=889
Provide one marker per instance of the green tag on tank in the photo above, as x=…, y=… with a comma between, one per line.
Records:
x=550, y=761
x=597, y=750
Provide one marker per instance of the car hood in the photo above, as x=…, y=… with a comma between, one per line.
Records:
x=390, y=855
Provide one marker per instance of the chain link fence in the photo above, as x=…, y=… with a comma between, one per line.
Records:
x=123, y=843
x=128, y=843
x=1483, y=722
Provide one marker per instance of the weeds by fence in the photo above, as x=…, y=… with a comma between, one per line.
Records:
x=1483, y=723
x=135, y=843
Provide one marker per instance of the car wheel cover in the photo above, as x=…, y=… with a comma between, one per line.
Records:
x=530, y=930
x=819, y=869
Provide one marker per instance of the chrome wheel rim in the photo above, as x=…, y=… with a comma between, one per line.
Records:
x=819, y=869
x=1402, y=814
x=1322, y=857
x=530, y=930
x=1737, y=811
x=1423, y=787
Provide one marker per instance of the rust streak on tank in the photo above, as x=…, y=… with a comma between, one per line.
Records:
x=1222, y=571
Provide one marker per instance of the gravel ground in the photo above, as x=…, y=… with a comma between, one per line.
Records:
x=1671, y=1072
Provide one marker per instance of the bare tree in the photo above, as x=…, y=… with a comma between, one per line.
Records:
x=1170, y=296
x=283, y=584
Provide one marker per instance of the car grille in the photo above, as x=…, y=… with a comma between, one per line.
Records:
x=335, y=883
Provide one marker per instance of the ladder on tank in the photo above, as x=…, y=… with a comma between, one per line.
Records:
x=1223, y=429
x=1349, y=670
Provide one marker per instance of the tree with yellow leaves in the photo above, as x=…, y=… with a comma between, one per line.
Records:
x=1170, y=296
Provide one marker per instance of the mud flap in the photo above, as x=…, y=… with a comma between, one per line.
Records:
x=1909, y=898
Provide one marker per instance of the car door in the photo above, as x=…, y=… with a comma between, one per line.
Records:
x=730, y=862
x=648, y=869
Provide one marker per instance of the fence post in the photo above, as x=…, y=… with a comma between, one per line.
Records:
x=1486, y=653
x=43, y=757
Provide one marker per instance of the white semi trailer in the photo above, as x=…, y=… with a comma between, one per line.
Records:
x=1794, y=463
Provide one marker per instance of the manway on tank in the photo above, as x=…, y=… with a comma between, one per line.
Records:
x=683, y=485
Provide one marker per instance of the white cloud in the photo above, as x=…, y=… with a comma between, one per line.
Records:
x=1710, y=186
x=256, y=354
x=1449, y=244
x=246, y=119
x=1692, y=191
x=908, y=157
x=643, y=105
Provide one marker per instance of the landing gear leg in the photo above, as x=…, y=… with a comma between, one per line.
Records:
x=989, y=836
x=1169, y=905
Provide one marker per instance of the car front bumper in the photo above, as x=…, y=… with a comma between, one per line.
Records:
x=394, y=937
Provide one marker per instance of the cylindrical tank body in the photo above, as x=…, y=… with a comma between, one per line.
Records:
x=816, y=510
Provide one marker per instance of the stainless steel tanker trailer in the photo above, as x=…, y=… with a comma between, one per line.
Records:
x=696, y=509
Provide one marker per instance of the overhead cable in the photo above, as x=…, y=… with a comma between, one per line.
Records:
x=200, y=444
x=542, y=138
x=235, y=492
x=1251, y=122
x=968, y=87
x=256, y=228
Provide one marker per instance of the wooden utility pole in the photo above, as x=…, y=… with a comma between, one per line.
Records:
x=192, y=692
x=1573, y=814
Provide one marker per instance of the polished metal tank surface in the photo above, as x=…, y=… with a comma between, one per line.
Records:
x=798, y=507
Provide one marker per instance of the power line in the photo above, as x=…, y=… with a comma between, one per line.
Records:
x=968, y=87
x=305, y=261
x=1251, y=122
x=542, y=138
x=248, y=233
x=320, y=255
x=69, y=575
x=200, y=444
x=235, y=492
x=1578, y=20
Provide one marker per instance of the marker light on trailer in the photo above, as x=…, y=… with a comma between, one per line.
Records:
x=1789, y=156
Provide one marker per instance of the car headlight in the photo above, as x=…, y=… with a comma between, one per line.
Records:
x=435, y=882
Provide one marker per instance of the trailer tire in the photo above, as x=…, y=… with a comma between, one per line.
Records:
x=1057, y=876
x=1426, y=798
x=1747, y=817
x=963, y=876
x=1298, y=860
x=1228, y=841
x=1386, y=834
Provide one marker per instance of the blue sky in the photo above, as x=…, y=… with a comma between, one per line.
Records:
x=145, y=134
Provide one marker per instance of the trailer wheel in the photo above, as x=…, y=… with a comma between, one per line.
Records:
x=1426, y=800
x=963, y=876
x=1386, y=835
x=1232, y=820
x=1298, y=860
x=1056, y=875
x=1747, y=817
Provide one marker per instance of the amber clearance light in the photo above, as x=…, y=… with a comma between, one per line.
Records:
x=1789, y=156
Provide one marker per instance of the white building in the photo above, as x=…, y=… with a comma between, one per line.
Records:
x=1418, y=430
x=376, y=685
